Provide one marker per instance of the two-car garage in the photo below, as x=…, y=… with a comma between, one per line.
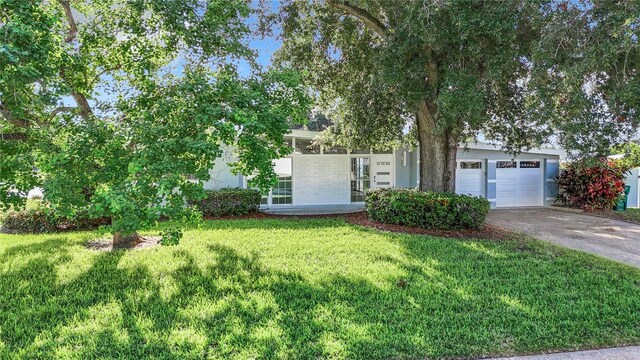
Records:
x=524, y=180
x=517, y=182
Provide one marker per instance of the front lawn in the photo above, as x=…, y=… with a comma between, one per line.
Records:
x=631, y=215
x=308, y=288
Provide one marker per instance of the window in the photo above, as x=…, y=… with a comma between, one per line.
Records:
x=378, y=151
x=471, y=165
x=334, y=150
x=506, y=164
x=281, y=193
x=360, y=151
x=529, y=164
x=306, y=146
x=359, y=178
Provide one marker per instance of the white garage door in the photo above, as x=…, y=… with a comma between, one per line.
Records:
x=470, y=178
x=519, y=183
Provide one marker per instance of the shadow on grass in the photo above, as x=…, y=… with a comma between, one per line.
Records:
x=453, y=299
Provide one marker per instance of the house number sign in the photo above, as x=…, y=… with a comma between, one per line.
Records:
x=383, y=163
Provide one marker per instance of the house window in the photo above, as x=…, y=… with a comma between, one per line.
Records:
x=360, y=151
x=334, y=150
x=378, y=151
x=306, y=146
x=471, y=165
x=281, y=193
x=529, y=164
x=360, y=181
x=506, y=164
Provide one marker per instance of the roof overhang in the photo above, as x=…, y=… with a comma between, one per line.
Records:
x=306, y=134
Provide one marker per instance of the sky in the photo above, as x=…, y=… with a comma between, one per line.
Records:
x=265, y=49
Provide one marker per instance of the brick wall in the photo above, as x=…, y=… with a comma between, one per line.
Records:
x=321, y=179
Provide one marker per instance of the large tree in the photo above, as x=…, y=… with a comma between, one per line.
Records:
x=114, y=108
x=516, y=71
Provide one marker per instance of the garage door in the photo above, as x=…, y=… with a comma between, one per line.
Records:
x=519, y=183
x=470, y=178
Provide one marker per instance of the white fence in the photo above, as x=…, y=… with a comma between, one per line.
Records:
x=633, y=179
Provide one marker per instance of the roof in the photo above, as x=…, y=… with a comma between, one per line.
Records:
x=306, y=134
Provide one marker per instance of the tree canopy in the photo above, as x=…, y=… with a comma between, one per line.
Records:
x=630, y=154
x=121, y=108
x=520, y=72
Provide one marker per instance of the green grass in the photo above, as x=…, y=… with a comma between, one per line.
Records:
x=307, y=289
x=632, y=215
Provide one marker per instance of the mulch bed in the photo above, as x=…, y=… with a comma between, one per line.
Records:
x=106, y=244
x=361, y=218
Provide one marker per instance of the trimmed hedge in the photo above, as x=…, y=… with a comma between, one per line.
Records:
x=229, y=202
x=35, y=219
x=429, y=210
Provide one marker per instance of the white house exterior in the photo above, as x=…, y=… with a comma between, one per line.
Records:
x=332, y=176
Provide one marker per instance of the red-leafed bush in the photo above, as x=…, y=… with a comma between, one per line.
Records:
x=592, y=185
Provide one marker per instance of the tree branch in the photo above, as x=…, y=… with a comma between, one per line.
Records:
x=369, y=20
x=73, y=29
x=61, y=109
x=83, y=104
x=97, y=77
x=13, y=137
x=80, y=98
x=6, y=113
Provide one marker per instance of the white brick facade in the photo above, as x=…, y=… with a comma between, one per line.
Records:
x=321, y=179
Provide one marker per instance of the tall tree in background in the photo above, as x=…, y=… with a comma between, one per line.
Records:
x=112, y=107
x=518, y=71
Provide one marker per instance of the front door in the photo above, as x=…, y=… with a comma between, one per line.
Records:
x=382, y=170
x=360, y=181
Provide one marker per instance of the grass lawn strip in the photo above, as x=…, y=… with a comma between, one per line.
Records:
x=629, y=215
x=308, y=288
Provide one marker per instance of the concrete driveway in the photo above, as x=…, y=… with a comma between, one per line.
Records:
x=617, y=240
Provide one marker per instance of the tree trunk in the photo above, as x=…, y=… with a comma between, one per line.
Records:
x=123, y=241
x=437, y=153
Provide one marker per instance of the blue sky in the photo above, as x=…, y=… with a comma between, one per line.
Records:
x=265, y=49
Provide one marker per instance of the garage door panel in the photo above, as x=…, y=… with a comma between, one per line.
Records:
x=470, y=181
x=518, y=186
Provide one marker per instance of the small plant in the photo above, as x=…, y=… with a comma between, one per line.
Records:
x=170, y=237
x=592, y=185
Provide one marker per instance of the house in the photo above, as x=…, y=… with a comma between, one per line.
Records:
x=329, y=176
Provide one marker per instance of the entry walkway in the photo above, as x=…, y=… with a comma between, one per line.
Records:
x=622, y=353
x=616, y=240
x=314, y=209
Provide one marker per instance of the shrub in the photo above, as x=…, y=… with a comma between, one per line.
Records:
x=37, y=218
x=428, y=210
x=592, y=185
x=229, y=202
x=27, y=221
x=170, y=237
